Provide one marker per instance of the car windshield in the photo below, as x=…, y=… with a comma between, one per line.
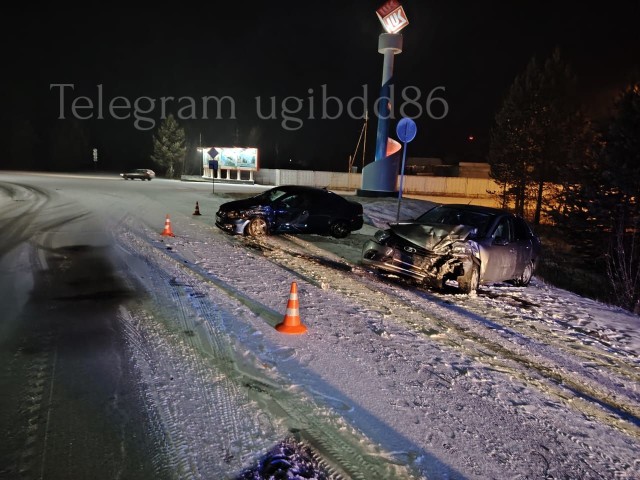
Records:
x=455, y=216
x=272, y=195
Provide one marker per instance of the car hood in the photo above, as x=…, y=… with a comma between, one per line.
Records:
x=244, y=204
x=357, y=205
x=431, y=237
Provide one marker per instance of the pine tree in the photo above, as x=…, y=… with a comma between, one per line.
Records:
x=511, y=150
x=600, y=198
x=169, y=147
x=533, y=132
x=559, y=122
x=579, y=184
x=620, y=174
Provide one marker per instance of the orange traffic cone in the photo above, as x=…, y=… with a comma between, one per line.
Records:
x=197, y=212
x=291, y=322
x=167, y=228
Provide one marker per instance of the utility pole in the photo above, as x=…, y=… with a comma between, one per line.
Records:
x=363, y=132
x=364, y=145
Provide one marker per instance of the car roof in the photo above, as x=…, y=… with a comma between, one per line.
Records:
x=301, y=188
x=476, y=208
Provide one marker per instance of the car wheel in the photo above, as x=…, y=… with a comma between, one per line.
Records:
x=257, y=227
x=339, y=229
x=469, y=283
x=524, y=279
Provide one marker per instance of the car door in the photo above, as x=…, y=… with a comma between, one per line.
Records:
x=321, y=208
x=523, y=244
x=291, y=214
x=502, y=252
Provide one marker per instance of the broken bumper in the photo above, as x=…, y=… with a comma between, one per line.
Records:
x=433, y=270
x=235, y=226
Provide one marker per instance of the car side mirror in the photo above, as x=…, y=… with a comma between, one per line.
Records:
x=500, y=241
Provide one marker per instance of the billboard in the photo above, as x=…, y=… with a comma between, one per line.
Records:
x=231, y=158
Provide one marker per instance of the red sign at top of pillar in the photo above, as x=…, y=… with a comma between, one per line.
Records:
x=392, y=16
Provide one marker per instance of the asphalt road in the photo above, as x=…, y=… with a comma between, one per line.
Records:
x=70, y=398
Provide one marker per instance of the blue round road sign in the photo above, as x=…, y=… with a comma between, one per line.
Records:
x=406, y=130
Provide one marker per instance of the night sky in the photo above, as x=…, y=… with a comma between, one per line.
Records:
x=470, y=51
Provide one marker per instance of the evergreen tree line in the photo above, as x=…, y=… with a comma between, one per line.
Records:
x=553, y=162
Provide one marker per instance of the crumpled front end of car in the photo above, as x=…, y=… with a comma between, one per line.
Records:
x=450, y=257
x=231, y=225
x=235, y=221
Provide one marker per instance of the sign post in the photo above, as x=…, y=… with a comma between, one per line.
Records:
x=406, y=130
x=213, y=166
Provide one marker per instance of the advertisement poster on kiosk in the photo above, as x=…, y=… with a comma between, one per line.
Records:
x=232, y=158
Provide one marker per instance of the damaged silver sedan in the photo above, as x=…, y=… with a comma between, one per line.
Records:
x=467, y=244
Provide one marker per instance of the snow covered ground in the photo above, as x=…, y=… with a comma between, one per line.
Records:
x=392, y=381
x=389, y=381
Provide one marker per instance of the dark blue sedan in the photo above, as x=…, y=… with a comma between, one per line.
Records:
x=291, y=209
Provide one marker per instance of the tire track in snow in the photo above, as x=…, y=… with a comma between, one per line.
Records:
x=599, y=395
x=184, y=367
x=400, y=304
x=393, y=304
x=344, y=450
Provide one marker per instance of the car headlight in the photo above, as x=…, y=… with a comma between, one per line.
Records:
x=468, y=248
x=234, y=214
x=382, y=236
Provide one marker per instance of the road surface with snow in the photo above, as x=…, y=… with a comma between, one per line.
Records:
x=128, y=354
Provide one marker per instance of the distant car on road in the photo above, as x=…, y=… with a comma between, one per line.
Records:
x=469, y=244
x=291, y=209
x=141, y=173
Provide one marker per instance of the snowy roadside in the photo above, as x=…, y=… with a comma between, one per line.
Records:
x=509, y=383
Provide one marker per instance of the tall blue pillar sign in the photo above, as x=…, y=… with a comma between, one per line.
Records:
x=379, y=178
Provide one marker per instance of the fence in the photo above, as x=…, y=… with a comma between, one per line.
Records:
x=413, y=184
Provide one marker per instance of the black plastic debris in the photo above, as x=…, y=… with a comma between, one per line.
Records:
x=289, y=460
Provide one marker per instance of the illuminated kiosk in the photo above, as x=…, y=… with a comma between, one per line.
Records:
x=229, y=160
x=379, y=178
